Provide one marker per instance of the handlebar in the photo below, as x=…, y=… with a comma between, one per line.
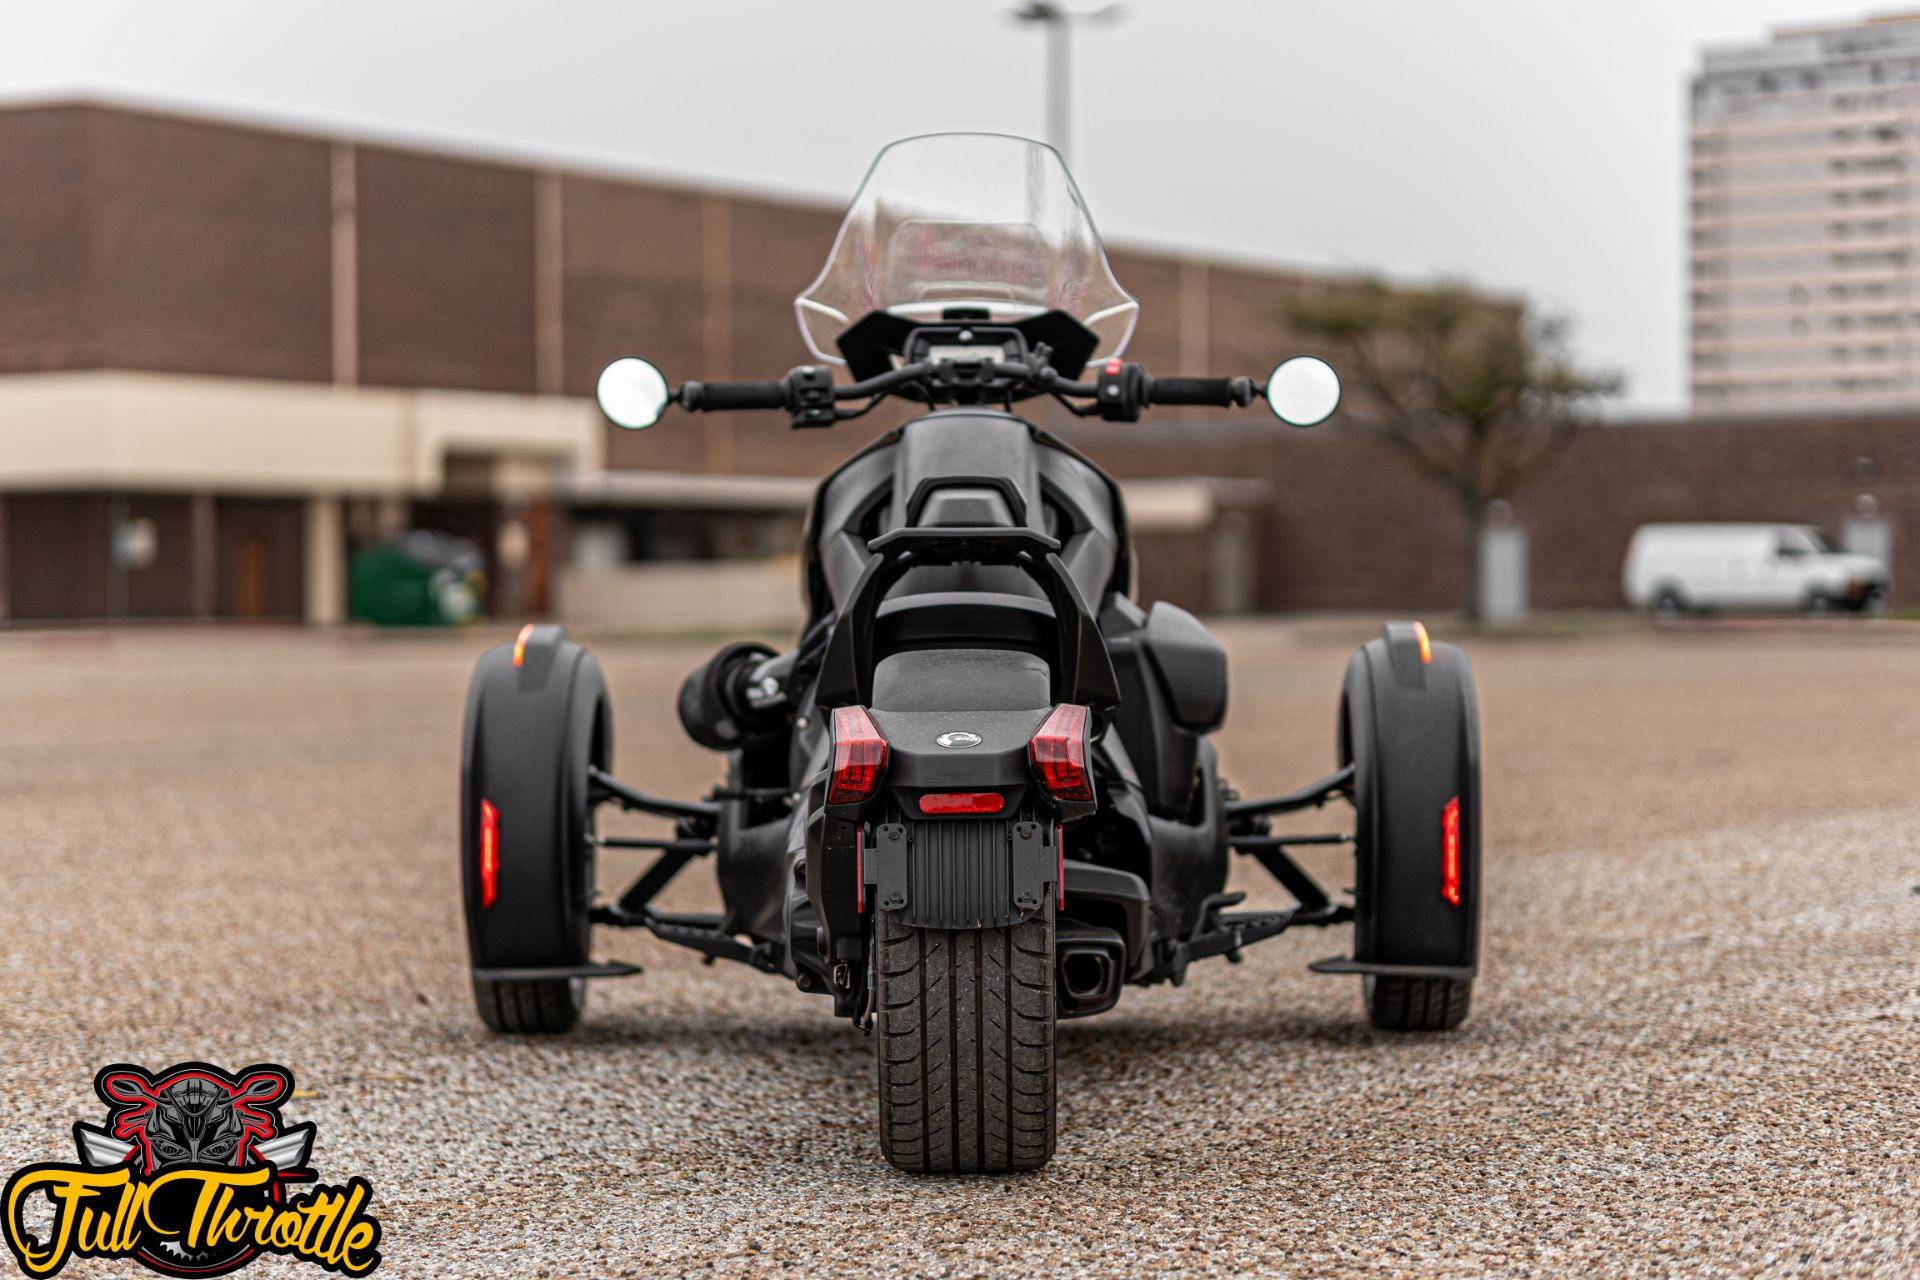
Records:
x=1121, y=390
x=1220, y=392
x=714, y=397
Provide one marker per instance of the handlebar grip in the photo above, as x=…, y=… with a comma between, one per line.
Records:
x=1207, y=391
x=716, y=396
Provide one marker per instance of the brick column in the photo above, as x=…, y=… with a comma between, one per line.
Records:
x=346, y=265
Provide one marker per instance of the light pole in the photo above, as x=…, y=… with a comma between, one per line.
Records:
x=1058, y=22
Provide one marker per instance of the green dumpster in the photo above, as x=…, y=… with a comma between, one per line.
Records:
x=418, y=579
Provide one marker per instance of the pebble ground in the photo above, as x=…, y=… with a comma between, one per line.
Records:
x=1693, y=1051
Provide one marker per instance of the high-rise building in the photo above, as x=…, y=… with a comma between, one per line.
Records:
x=1805, y=268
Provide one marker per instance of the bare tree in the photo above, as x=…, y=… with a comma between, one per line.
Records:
x=1478, y=392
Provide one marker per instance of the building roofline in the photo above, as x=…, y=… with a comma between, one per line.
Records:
x=289, y=125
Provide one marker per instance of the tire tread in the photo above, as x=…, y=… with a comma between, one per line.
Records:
x=1418, y=1004
x=964, y=1041
x=523, y=1007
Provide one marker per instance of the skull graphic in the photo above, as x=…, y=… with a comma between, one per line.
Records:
x=193, y=1114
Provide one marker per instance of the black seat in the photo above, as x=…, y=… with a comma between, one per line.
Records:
x=976, y=679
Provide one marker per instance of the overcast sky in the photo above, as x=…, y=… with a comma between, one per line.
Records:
x=1535, y=145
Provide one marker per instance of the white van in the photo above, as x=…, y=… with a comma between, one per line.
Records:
x=1675, y=568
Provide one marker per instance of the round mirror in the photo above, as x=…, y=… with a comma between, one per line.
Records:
x=632, y=393
x=1303, y=391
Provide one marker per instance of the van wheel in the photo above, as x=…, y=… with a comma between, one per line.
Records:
x=1668, y=604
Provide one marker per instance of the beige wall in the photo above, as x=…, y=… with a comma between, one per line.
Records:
x=143, y=431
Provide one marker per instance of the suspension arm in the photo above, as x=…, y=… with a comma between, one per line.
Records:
x=603, y=786
x=1311, y=796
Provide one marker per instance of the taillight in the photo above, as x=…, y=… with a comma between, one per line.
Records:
x=1058, y=754
x=520, y=644
x=1425, y=642
x=1450, y=851
x=939, y=802
x=489, y=854
x=859, y=756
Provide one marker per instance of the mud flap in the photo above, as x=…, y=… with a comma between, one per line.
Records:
x=961, y=874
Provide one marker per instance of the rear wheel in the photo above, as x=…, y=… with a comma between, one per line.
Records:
x=964, y=1028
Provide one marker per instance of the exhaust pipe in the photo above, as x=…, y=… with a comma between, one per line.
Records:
x=1089, y=965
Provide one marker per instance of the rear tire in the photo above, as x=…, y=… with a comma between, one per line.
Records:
x=963, y=1032
x=1417, y=1004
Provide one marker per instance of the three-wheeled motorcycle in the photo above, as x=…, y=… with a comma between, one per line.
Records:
x=978, y=794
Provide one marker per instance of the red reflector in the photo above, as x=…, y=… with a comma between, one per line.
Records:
x=489, y=854
x=1058, y=753
x=963, y=802
x=859, y=756
x=1060, y=860
x=520, y=644
x=1450, y=851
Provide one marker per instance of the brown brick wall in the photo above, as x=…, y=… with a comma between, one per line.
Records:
x=1614, y=479
x=57, y=548
x=1353, y=526
x=147, y=242
x=45, y=322
x=209, y=248
x=143, y=241
x=633, y=280
x=445, y=272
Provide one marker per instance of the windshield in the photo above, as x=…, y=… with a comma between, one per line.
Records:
x=977, y=221
x=1801, y=542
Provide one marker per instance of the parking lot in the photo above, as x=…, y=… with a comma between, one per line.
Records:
x=1693, y=1046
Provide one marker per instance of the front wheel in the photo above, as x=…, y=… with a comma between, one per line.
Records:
x=1417, y=1004
x=537, y=721
x=963, y=1030
x=1410, y=728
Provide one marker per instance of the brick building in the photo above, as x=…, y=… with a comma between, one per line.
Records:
x=231, y=356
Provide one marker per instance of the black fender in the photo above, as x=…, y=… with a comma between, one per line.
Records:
x=537, y=717
x=1409, y=725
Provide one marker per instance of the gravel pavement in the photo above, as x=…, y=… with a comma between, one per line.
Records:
x=1693, y=1049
